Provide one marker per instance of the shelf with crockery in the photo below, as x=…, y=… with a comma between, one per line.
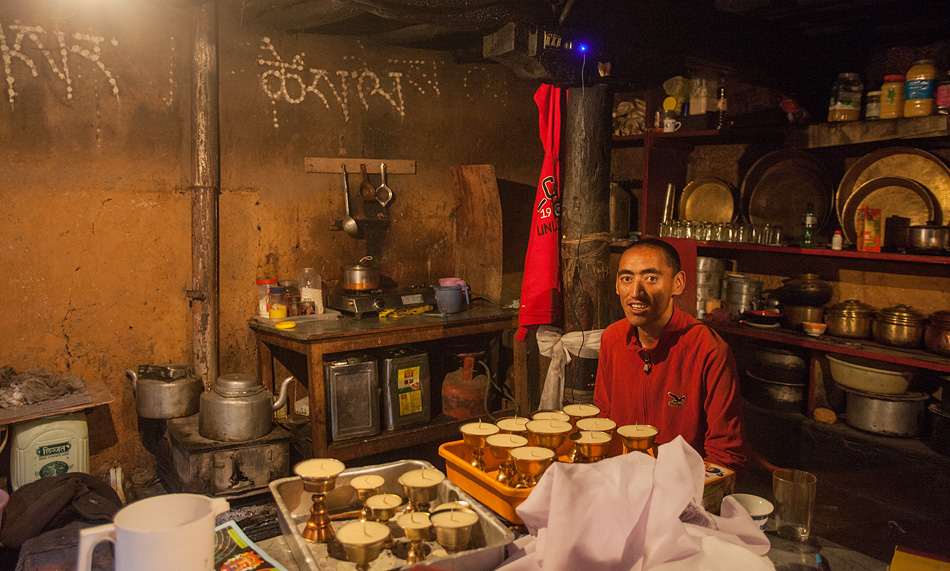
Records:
x=815, y=136
x=867, y=348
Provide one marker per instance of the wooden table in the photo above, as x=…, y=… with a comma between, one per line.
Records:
x=301, y=350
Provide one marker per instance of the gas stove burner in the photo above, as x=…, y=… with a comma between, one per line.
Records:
x=360, y=303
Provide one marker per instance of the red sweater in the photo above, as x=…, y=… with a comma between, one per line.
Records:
x=685, y=385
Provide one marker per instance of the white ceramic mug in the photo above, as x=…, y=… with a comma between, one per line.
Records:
x=670, y=125
x=174, y=531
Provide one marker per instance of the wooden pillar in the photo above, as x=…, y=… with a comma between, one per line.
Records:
x=585, y=225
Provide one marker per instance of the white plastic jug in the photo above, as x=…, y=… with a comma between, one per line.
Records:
x=174, y=531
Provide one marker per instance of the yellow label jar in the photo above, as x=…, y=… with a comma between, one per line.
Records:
x=892, y=97
x=919, y=89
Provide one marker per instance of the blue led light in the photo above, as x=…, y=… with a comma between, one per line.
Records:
x=582, y=47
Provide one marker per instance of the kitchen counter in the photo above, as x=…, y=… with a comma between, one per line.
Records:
x=301, y=351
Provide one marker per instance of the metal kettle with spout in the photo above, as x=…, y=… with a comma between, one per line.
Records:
x=238, y=408
x=169, y=390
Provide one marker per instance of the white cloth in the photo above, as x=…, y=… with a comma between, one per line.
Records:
x=559, y=347
x=633, y=513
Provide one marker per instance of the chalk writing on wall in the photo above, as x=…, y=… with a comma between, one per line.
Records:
x=30, y=47
x=291, y=81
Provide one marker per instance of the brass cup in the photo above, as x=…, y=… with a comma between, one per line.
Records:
x=500, y=447
x=637, y=438
x=477, y=442
x=383, y=515
x=362, y=554
x=318, y=528
x=531, y=462
x=590, y=445
x=452, y=536
x=416, y=534
x=513, y=425
x=548, y=433
x=420, y=496
x=578, y=412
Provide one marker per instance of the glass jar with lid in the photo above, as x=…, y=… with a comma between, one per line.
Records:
x=943, y=96
x=277, y=303
x=872, y=109
x=845, y=104
x=892, y=97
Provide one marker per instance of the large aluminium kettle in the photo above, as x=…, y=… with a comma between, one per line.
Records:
x=238, y=408
x=169, y=390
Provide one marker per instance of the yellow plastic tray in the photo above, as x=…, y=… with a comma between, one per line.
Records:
x=502, y=499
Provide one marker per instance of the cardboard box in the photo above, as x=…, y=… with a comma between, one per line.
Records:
x=869, y=229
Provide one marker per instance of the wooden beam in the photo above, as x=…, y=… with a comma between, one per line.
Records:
x=332, y=165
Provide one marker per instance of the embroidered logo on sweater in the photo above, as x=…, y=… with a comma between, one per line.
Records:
x=677, y=401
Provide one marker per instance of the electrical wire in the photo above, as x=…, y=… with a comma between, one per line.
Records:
x=501, y=390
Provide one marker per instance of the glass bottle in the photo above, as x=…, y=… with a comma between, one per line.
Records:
x=311, y=291
x=872, y=110
x=845, y=104
x=892, y=97
x=809, y=224
x=263, y=287
x=277, y=303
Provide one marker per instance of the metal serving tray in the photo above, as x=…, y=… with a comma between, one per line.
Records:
x=489, y=537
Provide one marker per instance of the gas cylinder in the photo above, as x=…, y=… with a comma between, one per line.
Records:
x=463, y=391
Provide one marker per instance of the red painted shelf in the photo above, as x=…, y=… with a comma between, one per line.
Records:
x=882, y=256
x=855, y=347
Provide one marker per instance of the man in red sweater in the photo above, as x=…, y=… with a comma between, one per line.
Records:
x=663, y=367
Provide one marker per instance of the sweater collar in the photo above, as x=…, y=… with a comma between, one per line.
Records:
x=678, y=323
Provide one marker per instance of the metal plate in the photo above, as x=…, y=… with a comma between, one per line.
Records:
x=906, y=162
x=708, y=199
x=895, y=196
x=780, y=184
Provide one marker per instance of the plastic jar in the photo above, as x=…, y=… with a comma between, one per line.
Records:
x=919, y=89
x=943, y=96
x=277, y=303
x=311, y=291
x=845, y=104
x=872, y=109
x=263, y=287
x=892, y=97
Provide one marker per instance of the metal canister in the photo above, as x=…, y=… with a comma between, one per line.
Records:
x=404, y=380
x=741, y=293
x=708, y=281
x=850, y=318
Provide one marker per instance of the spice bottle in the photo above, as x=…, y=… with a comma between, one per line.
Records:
x=836, y=240
x=892, y=97
x=263, y=287
x=919, y=89
x=845, y=104
x=809, y=226
x=872, y=109
x=943, y=96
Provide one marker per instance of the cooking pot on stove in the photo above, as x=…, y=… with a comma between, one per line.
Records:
x=362, y=276
x=238, y=408
x=169, y=390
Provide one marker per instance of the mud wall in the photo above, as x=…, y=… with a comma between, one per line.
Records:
x=94, y=173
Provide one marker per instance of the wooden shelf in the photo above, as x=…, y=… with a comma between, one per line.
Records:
x=98, y=394
x=856, y=347
x=826, y=252
x=637, y=140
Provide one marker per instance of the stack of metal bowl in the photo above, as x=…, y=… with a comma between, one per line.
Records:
x=708, y=277
x=742, y=293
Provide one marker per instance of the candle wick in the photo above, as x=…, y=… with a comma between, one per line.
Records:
x=365, y=532
x=452, y=517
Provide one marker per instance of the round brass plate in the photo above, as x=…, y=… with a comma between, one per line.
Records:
x=905, y=162
x=895, y=196
x=780, y=184
x=708, y=199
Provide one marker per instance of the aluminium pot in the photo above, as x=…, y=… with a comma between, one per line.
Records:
x=891, y=415
x=773, y=394
x=850, y=318
x=900, y=326
x=169, y=390
x=238, y=408
x=937, y=334
x=779, y=365
x=806, y=289
x=362, y=276
x=929, y=238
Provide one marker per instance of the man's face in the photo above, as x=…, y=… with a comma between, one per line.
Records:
x=646, y=286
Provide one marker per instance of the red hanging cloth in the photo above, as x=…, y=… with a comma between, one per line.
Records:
x=541, y=301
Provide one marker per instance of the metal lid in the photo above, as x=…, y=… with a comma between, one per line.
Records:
x=164, y=371
x=901, y=315
x=237, y=385
x=940, y=318
x=852, y=308
x=365, y=262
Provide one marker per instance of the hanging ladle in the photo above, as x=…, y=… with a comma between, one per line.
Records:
x=383, y=194
x=367, y=190
x=349, y=223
